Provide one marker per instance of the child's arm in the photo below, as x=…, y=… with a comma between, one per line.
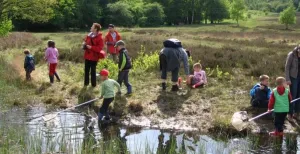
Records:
x=290, y=97
x=253, y=90
x=102, y=91
x=271, y=102
x=122, y=61
x=117, y=85
x=25, y=62
x=46, y=54
x=204, y=77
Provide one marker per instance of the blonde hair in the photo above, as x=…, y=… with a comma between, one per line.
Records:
x=26, y=51
x=280, y=81
x=197, y=65
x=263, y=77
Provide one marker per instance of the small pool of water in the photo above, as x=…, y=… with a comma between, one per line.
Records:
x=70, y=129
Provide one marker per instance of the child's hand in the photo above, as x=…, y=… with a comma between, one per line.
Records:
x=269, y=110
x=194, y=86
x=262, y=87
x=89, y=47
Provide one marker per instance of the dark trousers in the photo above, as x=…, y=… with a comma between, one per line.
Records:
x=259, y=103
x=90, y=68
x=104, y=108
x=163, y=67
x=123, y=77
x=279, y=120
x=295, y=91
x=28, y=75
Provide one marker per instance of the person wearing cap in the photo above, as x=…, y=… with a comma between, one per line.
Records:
x=111, y=38
x=51, y=56
x=107, y=93
x=124, y=66
x=92, y=45
x=29, y=65
x=292, y=75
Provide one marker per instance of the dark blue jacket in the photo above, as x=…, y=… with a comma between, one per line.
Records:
x=258, y=94
x=29, y=63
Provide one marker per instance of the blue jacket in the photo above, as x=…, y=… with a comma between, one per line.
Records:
x=29, y=63
x=174, y=57
x=259, y=94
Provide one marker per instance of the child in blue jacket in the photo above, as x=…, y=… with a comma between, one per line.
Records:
x=260, y=93
x=29, y=65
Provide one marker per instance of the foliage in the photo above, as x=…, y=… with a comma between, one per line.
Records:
x=288, y=16
x=237, y=10
x=110, y=65
x=154, y=14
x=5, y=27
x=120, y=14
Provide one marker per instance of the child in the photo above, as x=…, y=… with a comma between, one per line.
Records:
x=107, y=93
x=280, y=99
x=260, y=93
x=28, y=64
x=199, y=78
x=124, y=66
x=51, y=56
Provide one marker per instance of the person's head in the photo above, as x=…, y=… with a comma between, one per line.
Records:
x=26, y=51
x=95, y=27
x=297, y=48
x=111, y=28
x=51, y=44
x=104, y=74
x=197, y=67
x=120, y=44
x=280, y=81
x=264, y=80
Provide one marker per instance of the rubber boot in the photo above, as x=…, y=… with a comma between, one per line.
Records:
x=51, y=79
x=164, y=86
x=57, y=77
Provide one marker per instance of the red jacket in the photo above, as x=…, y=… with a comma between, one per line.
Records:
x=97, y=44
x=280, y=91
x=111, y=43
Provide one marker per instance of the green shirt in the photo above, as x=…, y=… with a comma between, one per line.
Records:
x=281, y=101
x=108, y=88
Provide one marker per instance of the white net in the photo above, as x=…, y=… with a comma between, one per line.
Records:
x=239, y=120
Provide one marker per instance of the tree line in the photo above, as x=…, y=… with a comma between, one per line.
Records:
x=55, y=15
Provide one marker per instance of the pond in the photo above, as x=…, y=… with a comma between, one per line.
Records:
x=24, y=131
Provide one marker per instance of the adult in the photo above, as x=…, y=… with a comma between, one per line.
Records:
x=170, y=58
x=93, y=46
x=292, y=74
x=111, y=38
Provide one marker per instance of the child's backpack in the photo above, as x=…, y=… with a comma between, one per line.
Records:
x=172, y=43
x=31, y=64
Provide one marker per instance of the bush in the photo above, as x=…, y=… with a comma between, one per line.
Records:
x=110, y=65
x=142, y=21
x=145, y=62
x=120, y=14
x=155, y=14
x=5, y=27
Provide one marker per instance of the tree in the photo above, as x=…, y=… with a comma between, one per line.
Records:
x=120, y=14
x=237, y=10
x=288, y=16
x=155, y=14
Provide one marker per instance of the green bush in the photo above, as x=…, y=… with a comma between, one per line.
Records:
x=142, y=21
x=110, y=65
x=145, y=62
x=155, y=14
x=5, y=27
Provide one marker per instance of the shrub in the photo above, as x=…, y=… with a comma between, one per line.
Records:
x=110, y=65
x=145, y=62
x=155, y=14
x=5, y=27
x=18, y=40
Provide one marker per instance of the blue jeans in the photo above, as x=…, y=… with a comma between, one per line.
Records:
x=295, y=92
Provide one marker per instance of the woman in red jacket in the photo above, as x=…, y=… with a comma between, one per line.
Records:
x=110, y=40
x=92, y=46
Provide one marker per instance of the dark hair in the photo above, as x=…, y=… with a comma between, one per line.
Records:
x=97, y=26
x=111, y=26
x=26, y=51
x=51, y=44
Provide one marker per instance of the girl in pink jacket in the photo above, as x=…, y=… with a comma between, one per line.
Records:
x=51, y=56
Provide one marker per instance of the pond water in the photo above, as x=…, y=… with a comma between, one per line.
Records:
x=70, y=129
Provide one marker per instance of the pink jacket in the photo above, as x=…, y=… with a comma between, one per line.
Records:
x=51, y=55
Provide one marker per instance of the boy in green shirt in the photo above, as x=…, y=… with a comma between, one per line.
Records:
x=107, y=93
x=280, y=100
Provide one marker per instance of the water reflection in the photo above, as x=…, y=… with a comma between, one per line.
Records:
x=71, y=129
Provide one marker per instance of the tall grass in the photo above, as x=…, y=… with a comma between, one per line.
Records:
x=18, y=40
